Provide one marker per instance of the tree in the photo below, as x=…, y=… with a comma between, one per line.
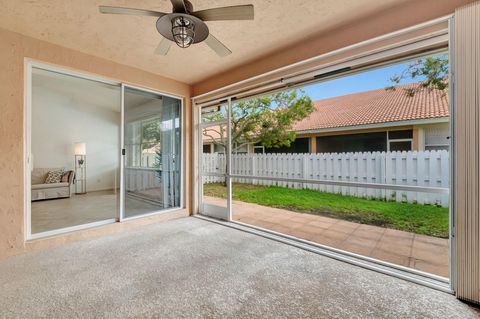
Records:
x=266, y=120
x=433, y=72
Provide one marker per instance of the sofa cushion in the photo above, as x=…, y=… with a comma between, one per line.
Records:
x=40, y=174
x=54, y=177
x=49, y=185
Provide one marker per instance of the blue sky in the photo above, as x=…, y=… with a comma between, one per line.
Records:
x=365, y=81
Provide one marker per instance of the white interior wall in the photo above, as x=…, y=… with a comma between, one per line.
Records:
x=60, y=119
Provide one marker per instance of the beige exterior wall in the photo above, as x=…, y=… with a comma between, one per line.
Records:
x=419, y=140
x=420, y=134
x=14, y=50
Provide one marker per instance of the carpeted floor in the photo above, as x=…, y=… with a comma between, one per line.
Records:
x=191, y=268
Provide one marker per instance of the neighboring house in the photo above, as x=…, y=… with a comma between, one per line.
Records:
x=378, y=120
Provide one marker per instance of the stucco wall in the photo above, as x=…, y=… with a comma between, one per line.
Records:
x=14, y=48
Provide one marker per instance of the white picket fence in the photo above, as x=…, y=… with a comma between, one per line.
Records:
x=426, y=168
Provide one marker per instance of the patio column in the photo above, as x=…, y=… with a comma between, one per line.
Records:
x=313, y=144
x=466, y=121
x=418, y=139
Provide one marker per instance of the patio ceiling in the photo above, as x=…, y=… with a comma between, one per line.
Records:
x=131, y=40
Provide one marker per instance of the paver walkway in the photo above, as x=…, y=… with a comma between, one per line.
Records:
x=425, y=253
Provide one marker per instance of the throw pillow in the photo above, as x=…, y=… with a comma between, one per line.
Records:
x=54, y=177
x=65, y=177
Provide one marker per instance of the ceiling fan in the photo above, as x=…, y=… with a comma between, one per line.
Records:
x=184, y=26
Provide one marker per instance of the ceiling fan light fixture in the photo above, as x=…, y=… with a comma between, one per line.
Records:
x=183, y=31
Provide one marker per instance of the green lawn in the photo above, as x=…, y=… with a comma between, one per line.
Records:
x=422, y=219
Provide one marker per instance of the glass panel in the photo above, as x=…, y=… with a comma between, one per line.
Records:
x=363, y=142
x=214, y=201
x=347, y=120
x=75, y=138
x=214, y=113
x=152, y=152
x=214, y=162
x=215, y=138
x=401, y=146
x=395, y=135
x=298, y=146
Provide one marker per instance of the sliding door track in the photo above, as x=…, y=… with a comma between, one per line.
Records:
x=418, y=277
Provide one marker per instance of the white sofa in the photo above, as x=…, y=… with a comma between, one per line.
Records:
x=42, y=190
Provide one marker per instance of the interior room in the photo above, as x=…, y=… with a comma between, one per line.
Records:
x=239, y=159
x=153, y=158
x=75, y=143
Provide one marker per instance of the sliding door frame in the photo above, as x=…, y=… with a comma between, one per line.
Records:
x=215, y=211
x=29, y=65
x=122, y=161
x=385, y=57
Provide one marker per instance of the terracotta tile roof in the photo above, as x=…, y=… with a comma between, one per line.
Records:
x=377, y=106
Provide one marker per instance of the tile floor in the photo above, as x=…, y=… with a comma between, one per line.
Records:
x=425, y=253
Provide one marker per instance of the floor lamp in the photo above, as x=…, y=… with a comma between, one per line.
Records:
x=80, y=168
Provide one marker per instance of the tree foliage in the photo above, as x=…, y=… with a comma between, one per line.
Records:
x=432, y=72
x=267, y=120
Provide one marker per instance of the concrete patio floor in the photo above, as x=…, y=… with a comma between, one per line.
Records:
x=191, y=268
x=425, y=253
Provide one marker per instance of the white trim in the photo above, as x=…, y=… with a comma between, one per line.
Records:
x=154, y=213
x=396, y=140
x=121, y=213
x=452, y=140
x=183, y=141
x=422, y=189
x=69, y=71
x=376, y=125
x=183, y=164
x=27, y=148
x=396, y=49
x=381, y=57
x=198, y=127
x=29, y=64
x=153, y=91
x=331, y=53
x=60, y=231
x=228, y=173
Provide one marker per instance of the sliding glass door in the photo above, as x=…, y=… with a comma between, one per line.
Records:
x=152, y=152
x=98, y=151
x=341, y=163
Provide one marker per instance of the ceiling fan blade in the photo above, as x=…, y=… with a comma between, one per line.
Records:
x=217, y=46
x=243, y=12
x=179, y=6
x=163, y=47
x=130, y=11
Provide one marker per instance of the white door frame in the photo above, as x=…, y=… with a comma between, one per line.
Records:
x=122, y=161
x=29, y=64
x=377, y=56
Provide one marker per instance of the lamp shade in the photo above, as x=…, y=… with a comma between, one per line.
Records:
x=80, y=149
